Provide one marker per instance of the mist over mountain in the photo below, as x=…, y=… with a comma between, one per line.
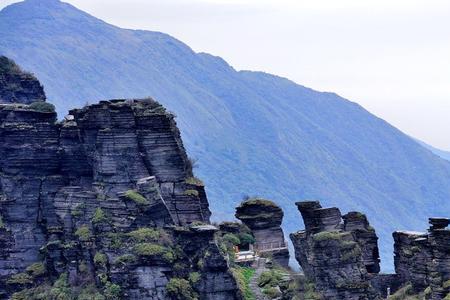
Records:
x=253, y=133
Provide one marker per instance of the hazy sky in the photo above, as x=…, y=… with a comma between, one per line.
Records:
x=392, y=57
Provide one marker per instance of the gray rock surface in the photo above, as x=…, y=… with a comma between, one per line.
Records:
x=423, y=259
x=264, y=219
x=106, y=197
x=17, y=86
x=339, y=255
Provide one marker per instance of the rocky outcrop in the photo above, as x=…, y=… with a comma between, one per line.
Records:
x=106, y=201
x=17, y=86
x=264, y=219
x=423, y=259
x=337, y=253
x=365, y=236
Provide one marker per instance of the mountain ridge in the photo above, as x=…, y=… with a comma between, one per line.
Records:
x=253, y=132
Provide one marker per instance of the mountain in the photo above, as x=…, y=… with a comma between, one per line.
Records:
x=253, y=133
x=441, y=153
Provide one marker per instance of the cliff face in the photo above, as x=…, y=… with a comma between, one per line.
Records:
x=105, y=201
x=264, y=219
x=18, y=86
x=340, y=257
x=423, y=259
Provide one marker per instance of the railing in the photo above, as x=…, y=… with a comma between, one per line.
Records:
x=270, y=246
x=245, y=256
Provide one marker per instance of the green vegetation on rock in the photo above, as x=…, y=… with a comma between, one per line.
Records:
x=151, y=250
x=83, y=233
x=99, y=216
x=329, y=235
x=36, y=269
x=406, y=293
x=112, y=291
x=194, y=277
x=180, y=289
x=125, y=259
x=100, y=259
x=243, y=275
x=41, y=106
x=144, y=235
x=20, y=279
x=136, y=197
x=194, y=181
x=191, y=193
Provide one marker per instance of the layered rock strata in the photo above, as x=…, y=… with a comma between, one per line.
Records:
x=423, y=259
x=264, y=219
x=17, y=86
x=98, y=200
x=339, y=254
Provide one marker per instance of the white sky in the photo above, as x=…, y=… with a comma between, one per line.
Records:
x=392, y=57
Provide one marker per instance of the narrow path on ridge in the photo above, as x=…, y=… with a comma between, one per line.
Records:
x=260, y=268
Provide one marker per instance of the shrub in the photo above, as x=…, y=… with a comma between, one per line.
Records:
x=100, y=259
x=446, y=284
x=154, y=250
x=405, y=293
x=272, y=292
x=136, y=197
x=351, y=253
x=270, y=278
x=36, y=269
x=90, y=293
x=42, y=107
x=20, y=279
x=194, y=181
x=259, y=202
x=125, y=259
x=99, y=216
x=83, y=233
x=328, y=235
x=191, y=193
x=116, y=240
x=180, y=289
x=169, y=256
x=194, y=277
x=112, y=291
x=144, y=235
x=232, y=239
x=246, y=238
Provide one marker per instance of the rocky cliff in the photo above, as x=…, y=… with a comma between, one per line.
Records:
x=338, y=253
x=423, y=259
x=264, y=219
x=102, y=204
x=18, y=86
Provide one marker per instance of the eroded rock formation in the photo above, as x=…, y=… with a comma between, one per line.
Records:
x=339, y=254
x=423, y=259
x=105, y=200
x=18, y=86
x=264, y=219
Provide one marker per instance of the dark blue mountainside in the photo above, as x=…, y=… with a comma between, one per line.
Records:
x=253, y=133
